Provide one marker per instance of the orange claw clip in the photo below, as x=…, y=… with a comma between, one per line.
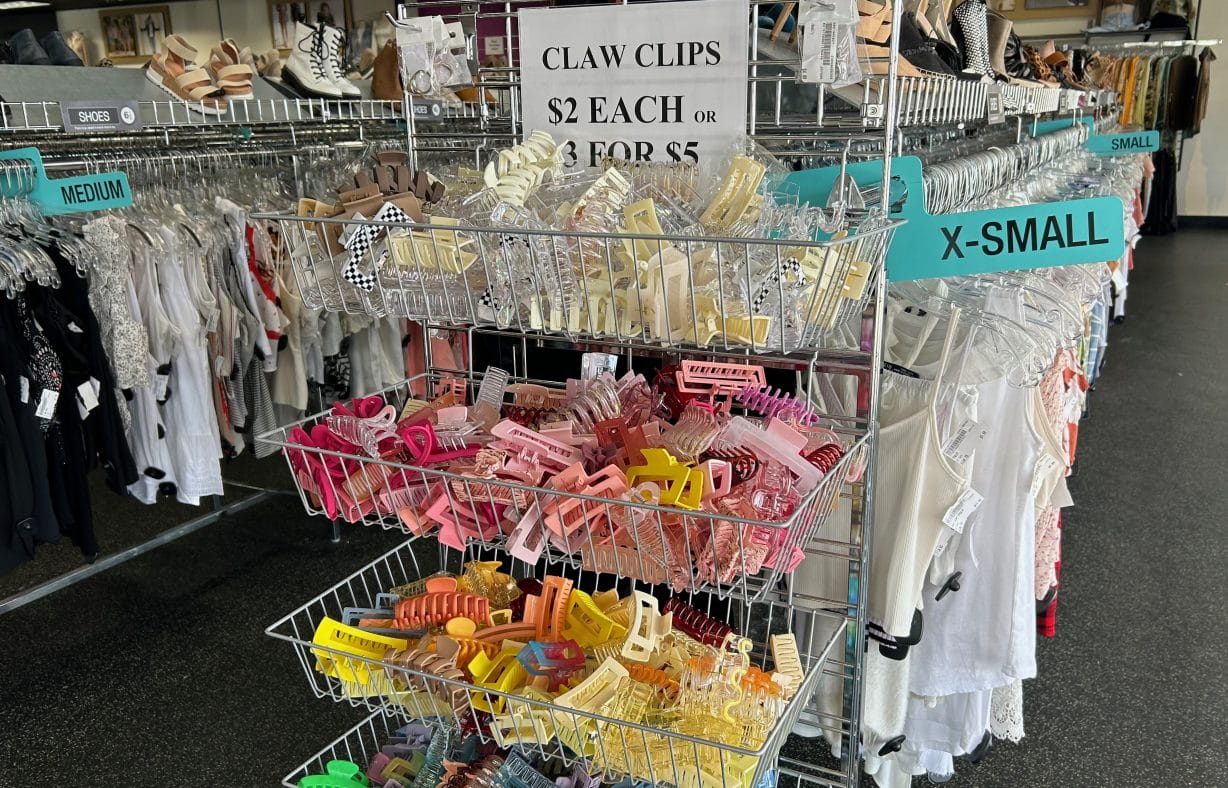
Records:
x=548, y=611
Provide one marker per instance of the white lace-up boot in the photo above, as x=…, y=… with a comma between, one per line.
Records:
x=307, y=70
x=334, y=38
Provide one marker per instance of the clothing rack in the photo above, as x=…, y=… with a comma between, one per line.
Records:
x=282, y=135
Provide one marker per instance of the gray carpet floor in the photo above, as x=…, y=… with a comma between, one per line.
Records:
x=157, y=672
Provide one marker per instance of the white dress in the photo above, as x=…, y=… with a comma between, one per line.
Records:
x=194, y=439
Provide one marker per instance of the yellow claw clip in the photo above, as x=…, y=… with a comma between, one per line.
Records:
x=787, y=663
x=334, y=635
x=587, y=624
x=684, y=485
x=646, y=626
x=502, y=673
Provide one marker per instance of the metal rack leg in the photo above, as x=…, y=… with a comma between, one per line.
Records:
x=334, y=531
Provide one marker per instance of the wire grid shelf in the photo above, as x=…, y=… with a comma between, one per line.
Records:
x=723, y=293
x=690, y=551
x=174, y=113
x=608, y=746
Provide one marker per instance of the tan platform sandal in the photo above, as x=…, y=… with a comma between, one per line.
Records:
x=174, y=71
x=873, y=35
x=234, y=70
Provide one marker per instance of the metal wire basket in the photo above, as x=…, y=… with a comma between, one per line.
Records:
x=661, y=751
x=359, y=745
x=688, y=550
x=727, y=293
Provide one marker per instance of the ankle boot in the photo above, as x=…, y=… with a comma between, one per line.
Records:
x=57, y=49
x=307, y=70
x=26, y=49
x=334, y=40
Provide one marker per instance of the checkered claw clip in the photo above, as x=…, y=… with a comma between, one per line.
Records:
x=365, y=238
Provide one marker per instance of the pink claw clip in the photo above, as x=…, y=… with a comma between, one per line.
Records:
x=711, y=379
x=369, y=432
x=424, y=445
x=774, y=403
x=528, y=446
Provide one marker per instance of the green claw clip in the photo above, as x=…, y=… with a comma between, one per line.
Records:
x=340, y=774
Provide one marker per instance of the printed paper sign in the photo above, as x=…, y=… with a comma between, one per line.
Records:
x=86, y=116
x=661, y=82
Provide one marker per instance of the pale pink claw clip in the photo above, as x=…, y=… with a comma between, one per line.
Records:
x=366, y=433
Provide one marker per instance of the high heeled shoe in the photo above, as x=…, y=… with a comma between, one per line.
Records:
x=971, y=28
x=873, y=34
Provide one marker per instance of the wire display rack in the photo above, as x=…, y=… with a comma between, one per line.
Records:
x=667, y=749
x=724, y=293
x=689, y=551
x=765, y=300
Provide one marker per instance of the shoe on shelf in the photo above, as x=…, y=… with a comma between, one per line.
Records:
x=175, y=71
x=233, y=69
x=334, y=41
x=307, y=70
x=873, y=34
x=971, y=29
x=269, y=64
x=58, y=50
x=78, y=43
x=386, y=74
x=26, y=49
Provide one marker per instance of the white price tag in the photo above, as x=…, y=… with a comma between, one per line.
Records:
x=820, y=53
x=960, y=446
x=87, y=395
x=957, y=516
x=593, y=364
x=161, y=383
x=211, y=322
x=944, y=541
x=46, y=404
x=350, y=229
x=24, y=389
x=74, y=328
x=1044, y=466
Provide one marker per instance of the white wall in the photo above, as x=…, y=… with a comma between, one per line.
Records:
x=1202, y=187
x=246, y=21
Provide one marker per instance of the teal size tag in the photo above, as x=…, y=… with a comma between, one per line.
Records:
x=1106, y=144
x=1121, y=144
x=1011, y=238
x=78, y=194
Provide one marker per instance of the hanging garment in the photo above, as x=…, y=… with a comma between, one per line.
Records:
x=1204, y=89
x=917, y=486
x=188, y=408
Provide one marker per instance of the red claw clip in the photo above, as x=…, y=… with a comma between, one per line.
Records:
x=558, y=662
